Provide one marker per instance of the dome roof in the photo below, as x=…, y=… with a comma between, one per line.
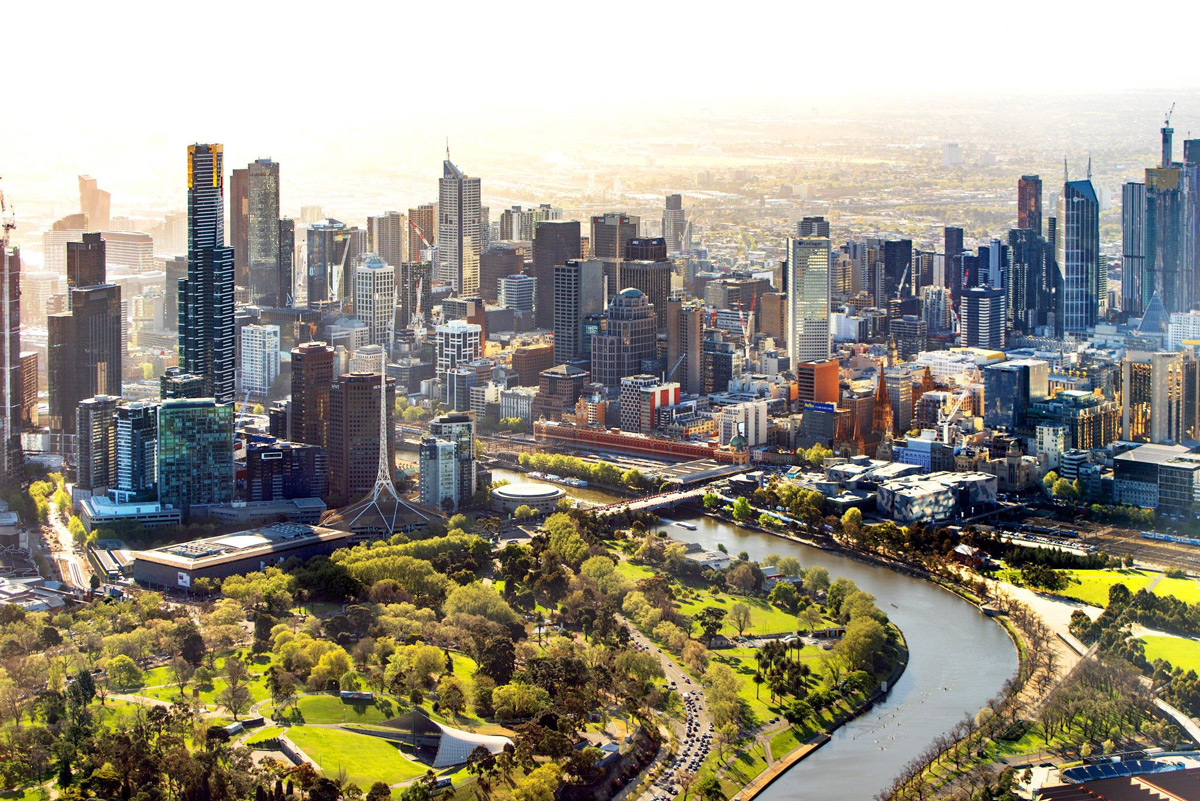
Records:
x=630, y=292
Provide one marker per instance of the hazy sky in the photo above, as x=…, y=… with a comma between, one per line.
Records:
x=111, y=88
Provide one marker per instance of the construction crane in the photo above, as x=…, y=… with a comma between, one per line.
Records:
x=945, y=420
x=747, y=322
x=1167, y=119
x=903, y=279
x=671, y=373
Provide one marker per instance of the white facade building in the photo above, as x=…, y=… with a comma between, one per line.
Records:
x=807, y=283
x=747, y=419
x=460, y=235
x=375, y=298
x=457, y=341
x=517, y=292
x=260, y=358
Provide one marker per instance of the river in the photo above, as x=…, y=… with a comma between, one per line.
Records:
x=958, y=659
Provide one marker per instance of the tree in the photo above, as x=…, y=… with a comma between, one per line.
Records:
x=710, y=619
x=852, y=524
x=742, y=578
x=450, y=695
x=123, y=672
x=1065, y=490
x=181, y=673
x=236, y=696
x=540, y=784
x=1048, y=481
x=742, y=509
x=711, y=501
x=739, y=617
x=816, y=578
x=785, y=596
x=75, y=526
x=524, y=511
x=709, y=789
x=811, y=618
x=379, y=792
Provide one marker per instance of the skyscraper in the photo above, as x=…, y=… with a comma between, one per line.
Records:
x=456, y=341
x=628, y=338
x=83, y=357
x=1030, y=292
x=438, y=474
x=1029, y=203
x=555, y=242
x=459, y=236
x=806, y=283
x=653, y=278
x=375, y=299
x=312, y=375
x=983, y=317
x=86, y=262
x=685, y=334
x=517, y=292
x=137, y=451
x=813, y=226
x=387, y=235
x=416, y=297
x=96, y=467
x=953, y=245
x=611, y=234
x=1133, y=248
x=674, y=224
x=333, y=250
x=206, y=331
x=354, y=433
x=95, y=203
x=195, y=453
x=260, y=359
x=578, y=294
x=239, y=224
x=1079, y=257
x=422, y=231
x=287, y=262
x=268, y=286
x=460, y=430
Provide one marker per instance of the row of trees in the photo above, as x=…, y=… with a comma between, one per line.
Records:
x=603, y=473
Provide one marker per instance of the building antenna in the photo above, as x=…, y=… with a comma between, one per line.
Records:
x=447, y=148
x=1066, y=174
x=1089, y=173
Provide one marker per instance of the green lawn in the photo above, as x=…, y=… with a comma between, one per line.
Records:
x=1185, y=589
x=365, y=759
x=26, y=794
x=1092, y=586
x=743, y=767
x=1181, y=653
x=266, y=733
x=331, y=709
x=783, y=743
x=764, y=618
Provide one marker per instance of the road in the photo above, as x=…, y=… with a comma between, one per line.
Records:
x=690, y=732
x=73, y=565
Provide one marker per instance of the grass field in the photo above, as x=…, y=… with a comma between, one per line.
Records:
x=365, y=759
x=1181, y=653
x=331, y=709
x=783, y=743
x=764, y=618
x=267, y=733
x=1185, y=589
x=1092, y=586
x=742, y=768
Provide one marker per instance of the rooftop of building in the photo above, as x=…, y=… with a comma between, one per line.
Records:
x=240, y=545
x=1150, y=453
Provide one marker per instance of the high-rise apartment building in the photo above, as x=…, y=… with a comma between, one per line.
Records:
x=674, y=225
x=96, y=466
x=287, y=262
x=387, y=235
x=459, y=429
x=628, y=339
x=206, y=331
x=195, y=452
x=554, y=243
x=28, y=389
x=438, y=474
x=239, y=224
x=312, y=376
x=260, y=359
x=456, y=342
x=1029, y=203
x=1079, y=257
x=1133, y=249
x=375, y=299
x=415, y=285
x=422, y=232
x=354, y=433
x=653, y=278
x=806, y=283
x=982, y=318
x=137, y=452
x=276, y=470
x=460, y=238
x=685, y=336
x=268, y=284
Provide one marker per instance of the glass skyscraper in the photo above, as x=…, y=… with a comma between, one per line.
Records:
x=806, y=283
x=1079, y=257
x=195, y=453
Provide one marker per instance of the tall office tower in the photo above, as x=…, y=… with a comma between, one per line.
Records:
x=653, y=278
x=627, y=340
x=1079, y=258
x=771, y=317
x=312, y=375
x=375, y=299
x=460, y=429
x=422, y=232
x=935, y=309
x=911, y=334
x=86, y=263
x=611, y=232
x=268, y=287
x=437, y=474
x=333, y=251
x=1133, y=248
x=195, y=452
x=287, y=262
x=554, y=242
x=239, y=224
x=260, y=359
x=685, y=337
x=647, y=248
x=806, y=282
x=517, y=292
x=277, y=470
x=1029, y=203
x=1157, y=391
x=83, y=354
x=813, y=226
x=456, y=341
x=982, y=317
x=97, y=450
x=206, y=332
x=1009, y=388
x=176, y=270
x=500, y=260
x=897, y=270
x=674, y=224
x=1030, y=292
x=387, y=235
x=900, y=394
x=721, y=362
x=460, y=238
x=354, y=433
x=578, y=295
x=953, y=247
x=137, y=452
x=95, y=203
x=415, y=285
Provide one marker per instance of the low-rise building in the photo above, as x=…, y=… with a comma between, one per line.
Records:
x=935, y=496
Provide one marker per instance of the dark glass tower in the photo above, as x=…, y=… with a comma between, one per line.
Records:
x=1079, y=258
x=1029, y=203
x=554, y=243
x=206, y=331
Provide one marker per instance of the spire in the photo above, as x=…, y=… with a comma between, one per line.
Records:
x=447, y=148
x=881, y=422
x=1066, y=173
x=1089, y=172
